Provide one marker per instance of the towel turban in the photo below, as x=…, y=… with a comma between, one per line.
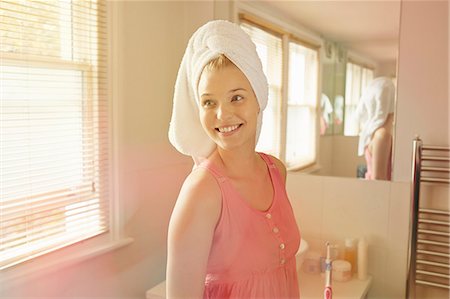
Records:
x=209, y=41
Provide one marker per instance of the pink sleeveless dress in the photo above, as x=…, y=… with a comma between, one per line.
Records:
x=253, y=251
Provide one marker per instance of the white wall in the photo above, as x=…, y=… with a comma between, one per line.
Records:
x=338, y=156
x=387, y=69
x=423, y=81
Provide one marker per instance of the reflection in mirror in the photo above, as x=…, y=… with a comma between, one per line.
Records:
x=360, y=44
x=333, y=87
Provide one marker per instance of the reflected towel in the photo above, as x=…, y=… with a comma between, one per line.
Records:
x=374, y=106
x=208, y=42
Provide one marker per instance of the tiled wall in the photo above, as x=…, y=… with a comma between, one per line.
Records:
x=423, y=84
x=331, y=209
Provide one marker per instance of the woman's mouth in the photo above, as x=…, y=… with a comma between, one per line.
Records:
x=228, y=129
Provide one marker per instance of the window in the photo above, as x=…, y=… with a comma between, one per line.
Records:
x=289, y=126
x=357, y=79
x=301, y=105
x=53, y=126
x=269, y=51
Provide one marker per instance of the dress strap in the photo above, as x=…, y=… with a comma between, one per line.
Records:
x=273, y=169
x=209, y=166
x=268, y=160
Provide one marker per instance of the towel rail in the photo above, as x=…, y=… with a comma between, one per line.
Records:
x=431, y=211
x=436, y=264
x=438, y=159
x=433, y=232
x=435, y=222
x=432, y=274
x=434, y=243
x=434, y=253
x=429, y=235
x=432, y=284
x=426, y=147
x=437, y=169
x=434, y=180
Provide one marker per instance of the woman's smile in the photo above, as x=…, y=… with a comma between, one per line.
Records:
x=228, y=130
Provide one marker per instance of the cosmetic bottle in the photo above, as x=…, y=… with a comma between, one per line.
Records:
x=335, y=252
x=363, y=252
x=350, y=253
x=311, y=264
x=341, y=270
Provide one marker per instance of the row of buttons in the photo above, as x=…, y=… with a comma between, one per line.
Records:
x=282, y=246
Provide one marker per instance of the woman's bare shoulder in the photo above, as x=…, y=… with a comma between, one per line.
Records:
x=201, y=182
x=199, y=194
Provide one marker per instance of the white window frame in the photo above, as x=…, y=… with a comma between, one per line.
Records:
x=274, y=108
x=311, y=104
x=249, y=15
x=353, y=94
x=115, y=237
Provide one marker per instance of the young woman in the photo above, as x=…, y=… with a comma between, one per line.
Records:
x=232, y=233
x=376, y=113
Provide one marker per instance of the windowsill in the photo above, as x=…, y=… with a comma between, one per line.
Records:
x=40, y=268
x=310, y=169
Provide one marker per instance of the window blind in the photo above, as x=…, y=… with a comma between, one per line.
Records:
x=53, y=126
x=357, y=79
x=269, y=49
x=301, y=106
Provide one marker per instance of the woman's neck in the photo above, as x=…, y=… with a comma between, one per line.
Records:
x=238, y=163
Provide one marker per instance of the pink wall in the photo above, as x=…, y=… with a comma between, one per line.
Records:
x=423, y=81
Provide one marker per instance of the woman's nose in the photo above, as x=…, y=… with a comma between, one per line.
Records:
x=223, y=112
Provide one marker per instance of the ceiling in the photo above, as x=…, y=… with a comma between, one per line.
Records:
x=370, y=28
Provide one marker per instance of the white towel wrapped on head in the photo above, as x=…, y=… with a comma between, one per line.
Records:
x=209, y=41
x=374, y=106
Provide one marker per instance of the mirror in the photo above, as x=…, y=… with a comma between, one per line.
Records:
x=363, y=33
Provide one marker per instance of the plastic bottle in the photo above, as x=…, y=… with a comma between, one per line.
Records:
x=363, y=261
x=350, y=253
x=335, y=252
x=341, y=270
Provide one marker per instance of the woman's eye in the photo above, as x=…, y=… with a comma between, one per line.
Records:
x=207, y=103
x=236, y=98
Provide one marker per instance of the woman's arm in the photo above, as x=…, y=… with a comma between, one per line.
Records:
x=191, y=231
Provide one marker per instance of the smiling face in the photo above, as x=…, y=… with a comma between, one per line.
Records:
x=228, y=107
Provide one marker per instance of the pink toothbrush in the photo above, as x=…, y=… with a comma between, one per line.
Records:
x=328, y=292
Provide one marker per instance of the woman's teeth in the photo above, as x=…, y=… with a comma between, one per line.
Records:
x=228, y=129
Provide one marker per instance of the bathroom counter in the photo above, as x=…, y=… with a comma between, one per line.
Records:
x=311, y=287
